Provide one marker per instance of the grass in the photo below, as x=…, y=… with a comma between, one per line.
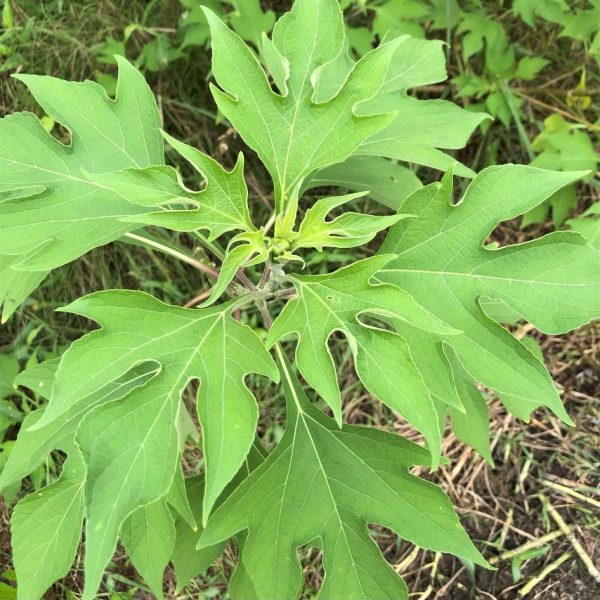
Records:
x=542, y=468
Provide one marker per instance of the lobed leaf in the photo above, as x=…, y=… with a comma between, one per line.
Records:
x=131, y=447
x=63, y=214
x=552, y=282
x=294, y=134
x=335, y=302
x=322, y=486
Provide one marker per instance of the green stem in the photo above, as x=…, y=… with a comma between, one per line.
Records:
x=172, y=252
x=214, y=247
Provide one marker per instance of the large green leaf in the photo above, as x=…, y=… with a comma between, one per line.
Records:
x=131, y=446
x=207, y=344
x=55, y=214
x=33, y=445
x=336, y=302
x=293, y=134
x=322, y=486
x=441, y=260
x=421, y=129
x=58, y=201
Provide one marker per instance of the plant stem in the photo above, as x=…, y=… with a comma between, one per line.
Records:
x=175, y=253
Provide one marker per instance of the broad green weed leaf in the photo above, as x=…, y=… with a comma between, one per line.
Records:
x=33, y=445
x=58, y=231
x=292, y=134
x=71, y=215
x=221, y=206
x=383, y=180
x=46, y=530
x=552, y=282
x=148, y=535
x=206, y=344
x=336, y=302
x=321, y=487
x=420, y=129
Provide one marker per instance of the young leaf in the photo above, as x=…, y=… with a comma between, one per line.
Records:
x=245, y=250
x=322, y=486
x=346, y=231
x=552, y=282
x=335, y=302
x=207, y=344
x=293, y=134
x=46, y=530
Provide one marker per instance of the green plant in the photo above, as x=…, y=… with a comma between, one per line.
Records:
x=415, y=317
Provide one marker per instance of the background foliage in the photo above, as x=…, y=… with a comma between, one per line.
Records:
x=534, y=66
